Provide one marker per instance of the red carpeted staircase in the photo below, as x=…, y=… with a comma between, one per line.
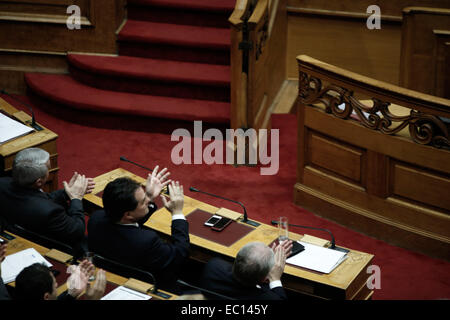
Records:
x=173, y=63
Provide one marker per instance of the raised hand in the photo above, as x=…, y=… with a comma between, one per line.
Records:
x=87, y=268
x=97, y=290
x=176, y=202
x=90, y=185
x=77, y=187
x=281, y=253
x=156, y=182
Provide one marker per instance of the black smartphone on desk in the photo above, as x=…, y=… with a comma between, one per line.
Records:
x=213, y=220
x=221, y=224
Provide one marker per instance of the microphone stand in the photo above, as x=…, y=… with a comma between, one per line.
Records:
x=33, y=124
x=122, y=158
x=245, y=220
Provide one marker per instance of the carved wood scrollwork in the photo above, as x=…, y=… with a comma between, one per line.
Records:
x=424, y=128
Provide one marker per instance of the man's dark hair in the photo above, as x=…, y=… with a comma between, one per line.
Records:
x=118, y=198
x=33, y=282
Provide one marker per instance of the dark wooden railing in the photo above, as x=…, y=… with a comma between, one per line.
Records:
x=374, y=157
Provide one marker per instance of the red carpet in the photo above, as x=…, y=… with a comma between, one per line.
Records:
x=167, y=49
x=66, y=91
x=153, y=76
x=92, y=150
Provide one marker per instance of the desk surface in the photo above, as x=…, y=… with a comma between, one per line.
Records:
x=347, y=281
x=45, y=139
x=19, y=244
x=30, y=140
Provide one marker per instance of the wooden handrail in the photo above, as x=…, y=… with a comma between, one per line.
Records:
x=242, y=10
x=424, y=122
x=443, y=11
x=374, y=157
x=420, y=101
x=258, y=13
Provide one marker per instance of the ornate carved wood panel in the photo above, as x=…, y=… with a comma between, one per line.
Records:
x=369, y=166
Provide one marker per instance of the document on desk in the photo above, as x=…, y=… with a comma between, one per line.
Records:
x=11, y=129
x=317, y=258
x=16, y=262
x=122, y=293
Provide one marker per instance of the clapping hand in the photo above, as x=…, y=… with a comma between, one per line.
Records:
x=176, y=202
x=77, y=186
x=156, y=182
x=79, y=281
x=282, y=251
x=90, y=184
x=97, y=290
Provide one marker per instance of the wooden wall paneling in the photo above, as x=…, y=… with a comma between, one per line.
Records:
x=370, y=224
x=394, y=211
x=302, y=140
x=346, y=43
x=34, y=36
x=340, y=158
x=276, y=61
x=377, y=174
x=388, y=8
x=441, y=76
x=349, y=204
x=400, y=148
x=97, y=33
x=417, y=71
x=13, y=65
x=421, y=185
x=401, y=196
x=44, y=11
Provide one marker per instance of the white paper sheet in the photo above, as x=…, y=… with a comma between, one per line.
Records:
x=123, y=293
x=11, y=129
x=16, y=262
x=317, y=258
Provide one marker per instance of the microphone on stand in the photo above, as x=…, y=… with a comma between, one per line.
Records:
x=333, y=243
x=33, y=124
x=122, y=158
x=245, y=220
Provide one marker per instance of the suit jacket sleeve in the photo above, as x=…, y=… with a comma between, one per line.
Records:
x=70, y=223
x=4, y=295
x=60, y=197
x=279, y=291
x=170, y=256
x=65, y=296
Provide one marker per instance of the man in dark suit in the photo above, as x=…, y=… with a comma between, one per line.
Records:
x=58, y=215
x=37, y=282
x=117, y=232
x=4, y=294
x=255, y=264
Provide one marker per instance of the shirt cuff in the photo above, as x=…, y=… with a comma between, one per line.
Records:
x=178, y=216
x=275, y=284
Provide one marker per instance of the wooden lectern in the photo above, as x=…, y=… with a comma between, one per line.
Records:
x=45, y=139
